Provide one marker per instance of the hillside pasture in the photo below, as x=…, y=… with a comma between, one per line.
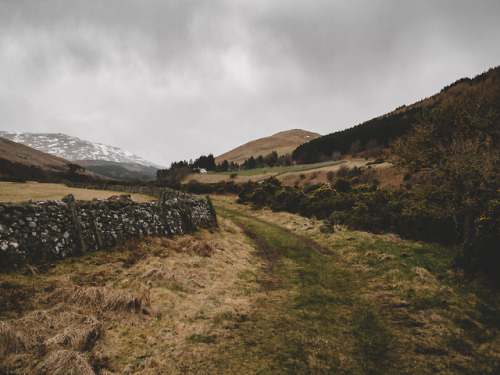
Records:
x=385, y=173
x=283, y=143
x=17, y=192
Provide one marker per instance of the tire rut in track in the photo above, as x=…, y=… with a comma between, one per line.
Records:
x=269, y=253
x=309, y=243
x=268, y=279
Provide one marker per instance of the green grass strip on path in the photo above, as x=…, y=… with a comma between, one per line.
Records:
x=314, y=321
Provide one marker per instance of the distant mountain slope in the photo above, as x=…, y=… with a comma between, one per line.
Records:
x=18, y=161
x=73, y=148
x=109, y=161
x=381, y=130
x=283, y=143
x=119, y=171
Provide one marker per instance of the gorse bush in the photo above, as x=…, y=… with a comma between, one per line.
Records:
x=287, y=199
x=364, y=207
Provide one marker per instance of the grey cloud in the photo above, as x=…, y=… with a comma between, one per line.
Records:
x=148, y=75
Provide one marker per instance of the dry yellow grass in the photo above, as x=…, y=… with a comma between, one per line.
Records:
x=151, y=306
x=78, y=336
x=64, y=362
x=385, y=173
x=17, y=192
x=11, y=341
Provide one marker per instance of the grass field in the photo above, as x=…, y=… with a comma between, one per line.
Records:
x=22, y=192
x=376, y=304
x=281, y=170
x=302, y=175
x=264, y=293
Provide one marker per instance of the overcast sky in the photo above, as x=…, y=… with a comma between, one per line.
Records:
x=174, y=79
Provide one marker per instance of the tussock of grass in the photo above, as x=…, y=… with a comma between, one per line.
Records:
x=80, y=337
x=11, y=341
x=155, y=274
x=198, y=247
x=64, y=362
x=102, y=298
x=423, y=276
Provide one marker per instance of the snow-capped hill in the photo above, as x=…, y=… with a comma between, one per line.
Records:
x=73, y=148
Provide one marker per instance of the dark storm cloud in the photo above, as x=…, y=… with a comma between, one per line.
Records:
x=356, y=41
x=170, y=80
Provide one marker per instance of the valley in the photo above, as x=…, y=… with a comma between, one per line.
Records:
x=373, y=250
x=244, y=187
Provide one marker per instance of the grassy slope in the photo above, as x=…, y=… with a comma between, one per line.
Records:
x=283, y=143
x=260, y=299
x=22, y=156
x=18, y=153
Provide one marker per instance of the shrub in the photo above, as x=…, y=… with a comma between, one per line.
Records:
x=260, y=194
x=246, y=191
x=343, y=171
x=330, y=175
x=287, y=199
x=484, y=253
x=320, y=201
x=342, y=185
x=260, y=197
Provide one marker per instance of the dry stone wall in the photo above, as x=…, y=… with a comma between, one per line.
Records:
x=50, y=230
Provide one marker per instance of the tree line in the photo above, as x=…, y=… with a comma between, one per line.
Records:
x=179, y=169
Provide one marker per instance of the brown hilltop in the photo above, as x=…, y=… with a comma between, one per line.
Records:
x=282, y=142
